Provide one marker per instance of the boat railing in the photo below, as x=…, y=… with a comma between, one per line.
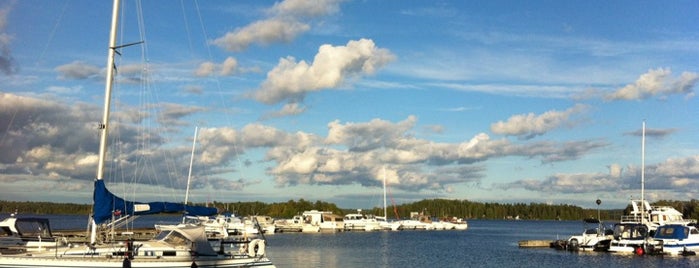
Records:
x=631, y=218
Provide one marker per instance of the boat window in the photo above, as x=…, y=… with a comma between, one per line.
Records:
x=176, y=239
x=667, y=231
x=33, y=228
x=162, y=235
x=694, y=231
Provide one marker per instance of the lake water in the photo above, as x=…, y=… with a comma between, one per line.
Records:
x=486, y=243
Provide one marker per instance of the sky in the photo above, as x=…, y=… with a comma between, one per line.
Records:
x=487, y=101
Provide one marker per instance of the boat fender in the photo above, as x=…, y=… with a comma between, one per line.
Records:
x=252, y=251
x=261, y=247
x=126, y=263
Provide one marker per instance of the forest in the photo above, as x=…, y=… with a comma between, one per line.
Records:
x=434, y=207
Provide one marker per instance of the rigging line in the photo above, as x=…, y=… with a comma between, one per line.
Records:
x=53, y=32
x=186, y=27
x=219, y=89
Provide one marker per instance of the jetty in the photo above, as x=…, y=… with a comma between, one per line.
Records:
x=535, y=243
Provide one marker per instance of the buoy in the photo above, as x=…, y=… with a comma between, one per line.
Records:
x=639, y=251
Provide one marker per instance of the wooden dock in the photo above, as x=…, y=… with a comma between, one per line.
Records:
x=535, y=243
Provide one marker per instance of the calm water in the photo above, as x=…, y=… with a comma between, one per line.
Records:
x=486, y=243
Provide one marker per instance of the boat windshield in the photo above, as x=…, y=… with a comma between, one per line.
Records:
x=33, y=228
x=672, y=232
x=630, y=232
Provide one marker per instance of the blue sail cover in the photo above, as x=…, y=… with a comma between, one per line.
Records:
x=106, y=203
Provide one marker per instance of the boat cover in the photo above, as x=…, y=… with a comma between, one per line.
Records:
x=672, y=232
x=106, y=203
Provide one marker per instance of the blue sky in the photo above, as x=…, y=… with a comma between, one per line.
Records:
x=497, y=101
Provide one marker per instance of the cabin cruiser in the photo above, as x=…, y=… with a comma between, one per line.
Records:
x=361, y=222
x=322, y=221
x=675, y=239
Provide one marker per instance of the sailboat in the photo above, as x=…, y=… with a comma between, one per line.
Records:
x=177, y=246
x=384, y=223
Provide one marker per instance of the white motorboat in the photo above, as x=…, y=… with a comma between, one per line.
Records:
x=591, y=239
x=675, y=239
x=322, y=221
x=360, y=222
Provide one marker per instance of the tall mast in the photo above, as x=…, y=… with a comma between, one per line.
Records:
x=384, y=193
x=191, y=163
x=104, y=125
x=643, y=170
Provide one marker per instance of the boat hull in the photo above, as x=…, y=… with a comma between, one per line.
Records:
x=70, y=262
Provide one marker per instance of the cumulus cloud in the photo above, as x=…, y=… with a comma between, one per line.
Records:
x=658, y=82
x=350, y=153
x=228, y=67
x=8, y=65
x=331, y=67
x=675, y=178
x=527, y=126
x=286, y=21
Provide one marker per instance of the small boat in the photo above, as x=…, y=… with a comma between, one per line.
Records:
x=675, y=239
x=592, y=239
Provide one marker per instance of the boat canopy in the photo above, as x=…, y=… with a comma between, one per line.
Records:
x=673, y=231
x=106, y=203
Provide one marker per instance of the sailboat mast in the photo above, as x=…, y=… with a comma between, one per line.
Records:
x=643, y=170
x=191, y=163
x=384, y=193
x=103, y=126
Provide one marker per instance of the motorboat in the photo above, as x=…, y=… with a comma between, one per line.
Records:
x=322, y=221
x=675, y=239
x=591, y=239
x=360, y=222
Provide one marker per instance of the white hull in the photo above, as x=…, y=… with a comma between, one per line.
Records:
x=65, y=262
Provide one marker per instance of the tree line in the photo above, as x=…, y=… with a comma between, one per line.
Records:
x=434, y=207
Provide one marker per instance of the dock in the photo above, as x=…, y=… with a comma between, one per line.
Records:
x=535, y=243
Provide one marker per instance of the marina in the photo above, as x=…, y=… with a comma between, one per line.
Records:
x=487, y=243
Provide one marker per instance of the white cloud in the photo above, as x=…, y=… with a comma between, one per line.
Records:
x=658, y=82
x=331, y=67
x=228, y=67
x=284, y=24
x=527, y=126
